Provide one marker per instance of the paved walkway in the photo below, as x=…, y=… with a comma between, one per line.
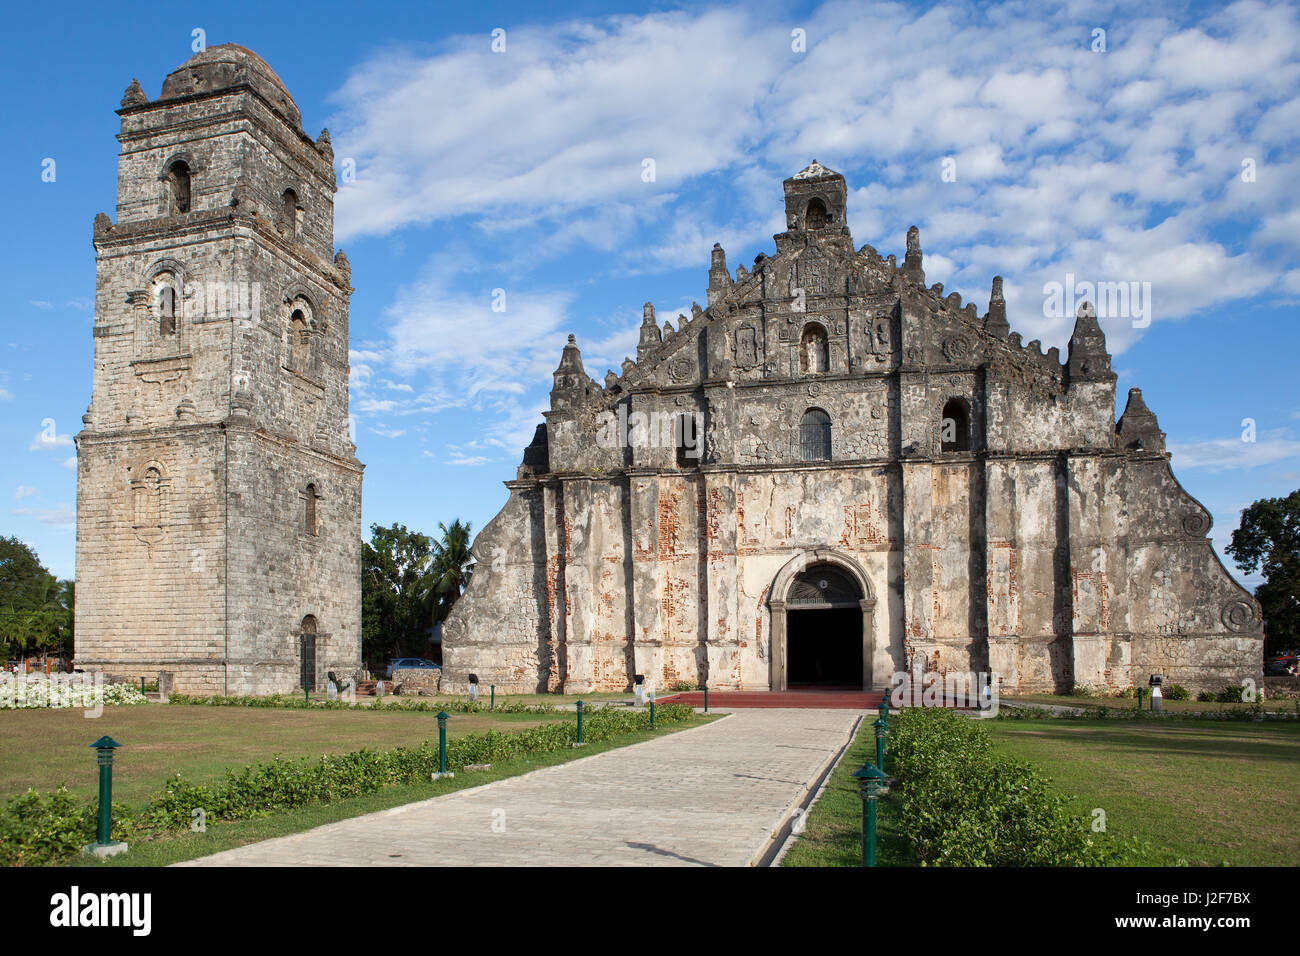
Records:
x=712, y=796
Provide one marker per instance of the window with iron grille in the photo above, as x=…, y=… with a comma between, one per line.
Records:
x=815, y=436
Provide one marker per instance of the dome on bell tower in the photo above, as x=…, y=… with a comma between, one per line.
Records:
x=228, y=66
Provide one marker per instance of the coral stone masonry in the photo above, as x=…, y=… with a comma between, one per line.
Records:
x=218, y=490
x=885, y=481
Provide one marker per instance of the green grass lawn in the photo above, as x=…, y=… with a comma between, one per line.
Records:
x=1197, y=792
x=832, y=834
x=1203, y=792
x=46, y=748
x=1280, y=705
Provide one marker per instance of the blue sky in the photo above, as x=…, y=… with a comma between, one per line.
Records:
x=522, y=170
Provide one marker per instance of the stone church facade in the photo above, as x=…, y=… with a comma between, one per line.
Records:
x=885, y=481
x=218, y=489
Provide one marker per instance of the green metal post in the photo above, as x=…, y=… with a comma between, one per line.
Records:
x=869, y=833
x=104, y=747
x=306, y=695
x=706, y=698
x=1140, y=690
x=879, y=724
x=652, y=713
x=442, y=742
x=872, y=784
x=142, y=685
x=492, y=701
x=579, y=721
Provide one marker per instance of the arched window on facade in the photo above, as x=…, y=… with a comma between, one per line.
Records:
x=815, y=436
x=688, y=436
x=309, y=509
x=178, y=187
x=289, y=204
x=814, y=352
x=954, y=426
x=816, y=216
x=166, y=310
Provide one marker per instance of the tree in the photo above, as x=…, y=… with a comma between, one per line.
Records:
x=453, y=564
x=396, y=600
x=1268, y=540
x=36, y=608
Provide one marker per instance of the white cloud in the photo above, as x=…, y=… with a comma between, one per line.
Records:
x=6, y=395
x=562, y=120
x=25, y=491
x=70, y=463
x=62, y=514
x=389, y=432
x=1226, y=454
x=47, y=439
x=1112, y=166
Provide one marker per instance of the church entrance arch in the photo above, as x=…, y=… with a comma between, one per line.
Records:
x=822, y=610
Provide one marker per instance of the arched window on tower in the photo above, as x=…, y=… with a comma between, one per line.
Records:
x=289, y=205
x=814, y=353
x=816, y=216
x=299, y=342
x=178, y=188
x=166, y=310
x=309, y=509
x=954, y=426
x=815, y=436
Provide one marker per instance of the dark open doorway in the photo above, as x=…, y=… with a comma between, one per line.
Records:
x=824, y=630
x=825, y=648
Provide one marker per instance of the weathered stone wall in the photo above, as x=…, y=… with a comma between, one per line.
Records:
x=1050, y=543
x=212, y=424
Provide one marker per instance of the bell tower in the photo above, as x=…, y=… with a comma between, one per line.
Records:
x=218, y=490
x=816, y=201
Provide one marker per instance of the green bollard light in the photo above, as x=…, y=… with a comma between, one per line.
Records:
x=706, y=698
x=881, y=729
x=872, y=785
x=492, y=699
x=442, y=773
x=579, y=743
x=104, y=845
x=1141, y=690
x=142, y=685
x=652, y=713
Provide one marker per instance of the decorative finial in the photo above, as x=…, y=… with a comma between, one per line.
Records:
x=134, y=95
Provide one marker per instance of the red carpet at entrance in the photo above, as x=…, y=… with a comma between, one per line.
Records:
x=727, y=699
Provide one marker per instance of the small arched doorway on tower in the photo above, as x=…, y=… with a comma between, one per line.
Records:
x=822, y=619
x=307, y=653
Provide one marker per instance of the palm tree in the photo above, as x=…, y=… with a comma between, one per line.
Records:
x=451, y=568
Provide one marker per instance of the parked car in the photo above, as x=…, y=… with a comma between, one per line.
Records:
x=409, y=662
x=1286, y=665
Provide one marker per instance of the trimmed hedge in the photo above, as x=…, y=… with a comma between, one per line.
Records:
x=39, y=830
x=388, y=704
x=966, y=804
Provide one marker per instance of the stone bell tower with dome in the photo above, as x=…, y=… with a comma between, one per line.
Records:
x=218, y=489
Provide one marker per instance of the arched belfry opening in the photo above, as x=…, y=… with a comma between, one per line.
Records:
x=816, y=216
x=822, y=610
